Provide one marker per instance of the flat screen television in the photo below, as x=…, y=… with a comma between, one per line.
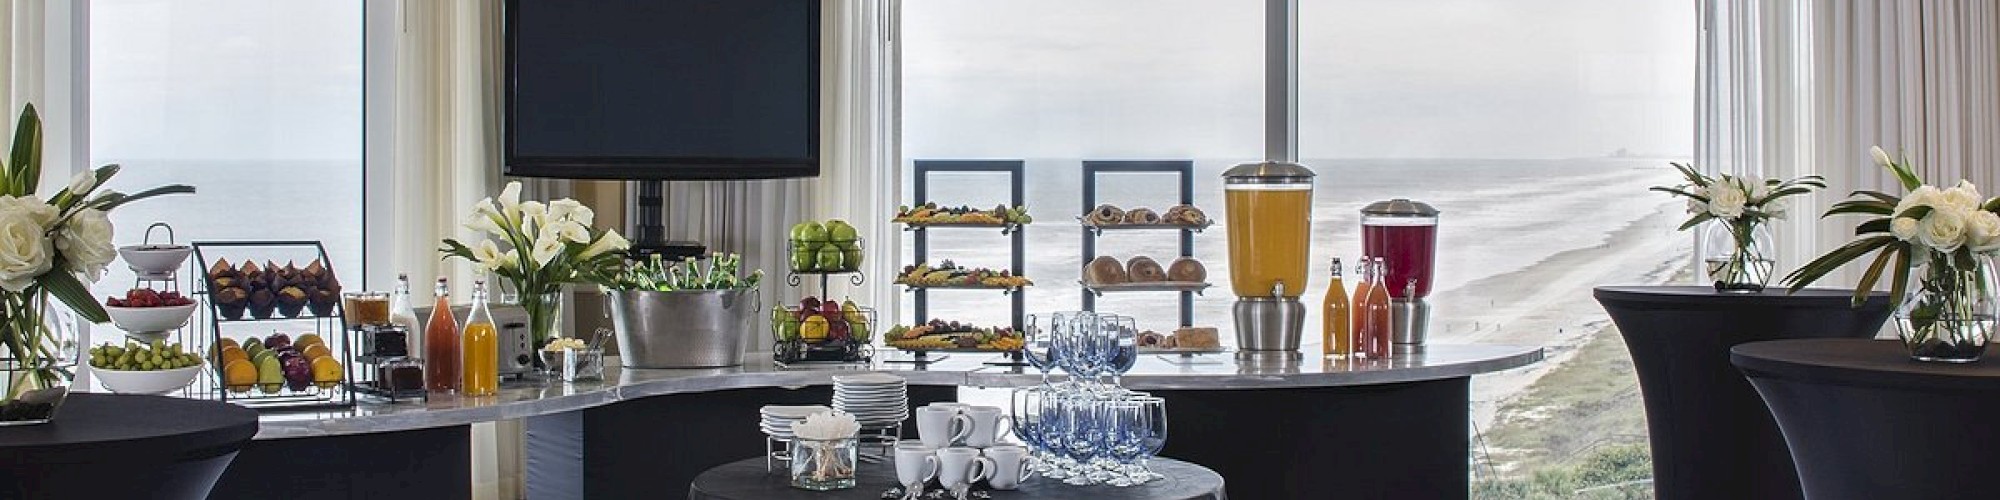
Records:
x=662, y=89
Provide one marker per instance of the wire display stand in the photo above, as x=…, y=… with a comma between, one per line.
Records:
x=331, y=328
x=1092, y=170
x=1016, y=236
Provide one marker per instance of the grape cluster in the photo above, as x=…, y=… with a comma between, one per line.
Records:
x=142, y=357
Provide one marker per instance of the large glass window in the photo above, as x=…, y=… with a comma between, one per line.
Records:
x=1535, y=126
x=257, y=104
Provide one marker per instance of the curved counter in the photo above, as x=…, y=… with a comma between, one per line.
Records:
x=1274, y=429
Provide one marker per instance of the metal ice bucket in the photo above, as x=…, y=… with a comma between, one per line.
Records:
x=682, y=329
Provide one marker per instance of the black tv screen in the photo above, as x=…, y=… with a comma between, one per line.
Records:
x=662, y=89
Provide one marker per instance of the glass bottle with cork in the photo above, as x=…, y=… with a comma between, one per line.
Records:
x=1374, y=343
x=441, y=354
x=1337, y=331
x=482, y=347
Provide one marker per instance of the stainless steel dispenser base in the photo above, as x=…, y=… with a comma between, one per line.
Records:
x=1269, y=327
x=1409, y=320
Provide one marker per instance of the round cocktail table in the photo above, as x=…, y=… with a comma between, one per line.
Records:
x=747, y=480
x=124, y=446
x=1864, y=421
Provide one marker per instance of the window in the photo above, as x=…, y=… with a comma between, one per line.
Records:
x=257, y=104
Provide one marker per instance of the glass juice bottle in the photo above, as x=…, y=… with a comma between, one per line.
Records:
x=441, y=344
x=1357, y=313
x=403, y=313
x=1337, y=335
x=482, y=347
x=1375, y=342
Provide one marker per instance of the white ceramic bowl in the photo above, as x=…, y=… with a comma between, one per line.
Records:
x=155, y=259
x=146, y=382
x=150, y=319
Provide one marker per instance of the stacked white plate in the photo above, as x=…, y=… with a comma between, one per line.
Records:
x=875, y=399
x=777, y=420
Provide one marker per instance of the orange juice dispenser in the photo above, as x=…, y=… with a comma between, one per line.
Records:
x=1269, y=207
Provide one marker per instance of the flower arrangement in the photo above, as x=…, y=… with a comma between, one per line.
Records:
x=51, y=247
x=1739, y=206
x=541, y=247
x=1950, y=233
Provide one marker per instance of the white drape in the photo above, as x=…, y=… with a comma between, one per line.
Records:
x=1795, y=87
x=447, y=141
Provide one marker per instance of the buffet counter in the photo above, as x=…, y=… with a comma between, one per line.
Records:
x=1387, y=428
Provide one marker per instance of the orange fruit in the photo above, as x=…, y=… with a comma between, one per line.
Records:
x=307, y=339
x=230, y=353
x=228, y=342
x=239, y=375
x=326, y=372
x=314, y=352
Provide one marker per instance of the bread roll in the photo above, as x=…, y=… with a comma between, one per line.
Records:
x=1104, y=270
x=1197, y=337
x=1142, y=269
x=1185, y=215
x=1105, y=215
x=1142, y=216
x=1187, y=270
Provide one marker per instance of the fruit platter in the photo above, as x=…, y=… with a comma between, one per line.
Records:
x=147, y=314
x=143, y=368
x=942, y=336
x=833, y=246
x=950, y=275
x=277, y=365
x=822, y=331
x=932, y=215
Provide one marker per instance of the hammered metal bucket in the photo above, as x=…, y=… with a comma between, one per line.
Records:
x=682, y=329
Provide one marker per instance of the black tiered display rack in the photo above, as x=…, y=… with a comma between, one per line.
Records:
x=331, y=328
x=1092, y=170
x=1017, y=244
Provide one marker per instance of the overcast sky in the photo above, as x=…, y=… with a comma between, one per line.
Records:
x=1378, y=78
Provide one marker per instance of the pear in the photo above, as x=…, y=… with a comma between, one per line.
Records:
x=270, y=375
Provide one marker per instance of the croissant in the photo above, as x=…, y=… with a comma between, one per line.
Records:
x=1105, y=215
x=1141, y=216
x=1185, y=215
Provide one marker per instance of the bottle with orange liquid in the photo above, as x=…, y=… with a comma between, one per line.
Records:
x=1337, y=332
x=441, y=344
x=1375, y=343
x=1357, y=312
x=481, y=362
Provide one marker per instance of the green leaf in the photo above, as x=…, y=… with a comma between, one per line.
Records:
x=1908, y=178
x=71, y=291
x=1819, y=267
x=1868, y=279
x=1696, y=220
x=1901, y=283
x=27, y=154
x=1892, y=200
x=1916, y=212
x=1692, y=175
x=1867, y=207
x=109, y=202
x=1880, y=225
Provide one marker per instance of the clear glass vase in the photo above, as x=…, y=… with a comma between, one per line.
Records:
x=1948, y=316
x=822, y=465
x=1738, y=256
x=37, y=360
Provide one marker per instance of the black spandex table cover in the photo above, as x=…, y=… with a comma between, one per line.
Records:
x=1711, y=436
x=124, y=446
x=1866, y=422
x=747, y=480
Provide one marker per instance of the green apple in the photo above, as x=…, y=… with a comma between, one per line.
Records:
x=808, y=231
x=837, y=230
x=803, y=260
x=850, y=258
x=829, y=259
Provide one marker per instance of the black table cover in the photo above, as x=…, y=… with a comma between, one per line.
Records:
x=747, y=480
x=1866, y=422
x=1711, y=436
x=124, y=446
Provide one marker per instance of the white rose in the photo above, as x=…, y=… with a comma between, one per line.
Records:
x=1964, y=195
x=39, y=211
x=1904, y=228
x=1696, y=206
x=570, y=231
x=1881, y=157
x=25, y=250
x=1755, y=187
x=1983, y=232
x=83, y=182
x=85, y=242
x=546, y=249
x=1777, y=209
x=610, y=242
x=1922, y=196
x=1725, y=202
x=1943, y=230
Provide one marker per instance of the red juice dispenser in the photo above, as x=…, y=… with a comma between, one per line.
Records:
x=1404, y=234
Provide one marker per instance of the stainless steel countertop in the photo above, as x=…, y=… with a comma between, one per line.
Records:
x=519, y=399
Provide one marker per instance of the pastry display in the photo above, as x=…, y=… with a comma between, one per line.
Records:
x=1187, y=270
x=1112, y=216
x=1143, y=269
x=1104, y=270
x=269, y=290
x=1197, y=337
x=1105, y=215
x=1142, y=216
x=263, y=300
x=324, y=289
x=939, y=335
x=1185, y=215
x=948, y=274
x=932, y=214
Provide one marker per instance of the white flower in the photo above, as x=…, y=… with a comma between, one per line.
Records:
x=1904, y=228
x=85, y=243
x=39, y=211
x=487, y=255
x=1922, y=196
x=610, y=242
x=1725, y=202
x=569, y=231
x=1943, y=230
x=25, y=250
x=583, y=215
x=83, y=182
x=1964, y=195
x=1881, y=157
x=1696, y=206
x=827, y=426
x=483, y=222
x=534, y=210
x=561, y=209
x=1983, y=232
x=485, y=207
x=1777, y=208
x=1755, y=187
x=546, y=249
x=510, y=201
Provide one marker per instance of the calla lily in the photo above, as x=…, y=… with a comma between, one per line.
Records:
x=610, y=242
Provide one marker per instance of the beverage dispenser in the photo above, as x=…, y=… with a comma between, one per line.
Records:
x=1269, y=207
x=1403, y=233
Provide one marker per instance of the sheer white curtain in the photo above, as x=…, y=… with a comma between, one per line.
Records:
x=1795, y=87
x=447, y=140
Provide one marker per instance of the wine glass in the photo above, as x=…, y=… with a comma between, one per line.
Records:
x=1123, y=348
x=1126, y=429
x=1153, y=439
x=1083, y=440
x=1038, y=346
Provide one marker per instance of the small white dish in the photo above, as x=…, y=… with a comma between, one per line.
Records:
x=146, y=381
x=150, y=319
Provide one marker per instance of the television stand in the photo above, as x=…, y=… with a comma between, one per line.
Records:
x=649, y=229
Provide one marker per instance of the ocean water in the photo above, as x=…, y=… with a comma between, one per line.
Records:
x=1498, y=216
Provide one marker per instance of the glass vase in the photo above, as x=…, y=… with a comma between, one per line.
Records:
x=823, y=465
x=544, y=315
x=1949, y=315
x=37, y=360
x=1738, y=256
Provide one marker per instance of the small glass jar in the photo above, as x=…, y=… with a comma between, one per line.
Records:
x=822, y=465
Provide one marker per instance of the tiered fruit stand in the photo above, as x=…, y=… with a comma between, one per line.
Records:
x=1017, y=243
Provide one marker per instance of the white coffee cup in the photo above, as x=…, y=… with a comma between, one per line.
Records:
x=1010, y=466
x=960, y=407
x=960, y=466
x=916, y=464
x=941, y=426
x=987, y=423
